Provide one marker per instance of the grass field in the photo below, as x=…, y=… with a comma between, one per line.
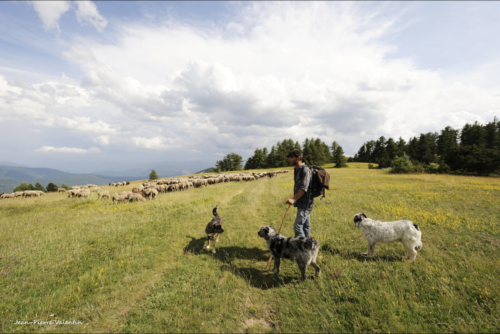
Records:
x=141, y=267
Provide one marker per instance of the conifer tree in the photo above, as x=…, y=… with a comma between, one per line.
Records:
x=392, y=149
x=271, y=158
x=473, y=134
x=307, y=156
x=338, y=156
x=153, y=175
x=401, y=144
x=412, y=148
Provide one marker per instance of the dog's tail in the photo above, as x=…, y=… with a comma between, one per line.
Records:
x=416, y=227
x=214, y=211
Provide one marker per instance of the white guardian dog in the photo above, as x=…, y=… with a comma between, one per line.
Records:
x=402, y=230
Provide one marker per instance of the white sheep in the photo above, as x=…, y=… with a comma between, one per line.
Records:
x=84, y=193
x=150, y=193
x=135, y=197
x=73, y=192
x=119, y=197
x=103, y=193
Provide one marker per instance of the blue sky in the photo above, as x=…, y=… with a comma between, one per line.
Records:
x=106, y=81
x=23, y=33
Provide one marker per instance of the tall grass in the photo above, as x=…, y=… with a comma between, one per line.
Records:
x=141, y=267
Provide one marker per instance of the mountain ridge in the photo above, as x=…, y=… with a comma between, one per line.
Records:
x=11, y=176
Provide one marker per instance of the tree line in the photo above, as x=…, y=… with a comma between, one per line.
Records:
x=51, y=187
x=473, y=149
x=314, y=150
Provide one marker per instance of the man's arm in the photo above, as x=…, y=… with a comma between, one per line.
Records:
x=296, y=197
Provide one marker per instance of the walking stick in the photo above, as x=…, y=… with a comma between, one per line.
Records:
x=269, y=262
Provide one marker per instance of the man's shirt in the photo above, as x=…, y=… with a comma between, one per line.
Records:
x=303, y=177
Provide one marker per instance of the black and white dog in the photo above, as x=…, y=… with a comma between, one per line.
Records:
x=402, y=230
x=302, y=250
x=214, y=229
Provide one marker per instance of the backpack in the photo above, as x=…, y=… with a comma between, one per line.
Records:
x=320, y=180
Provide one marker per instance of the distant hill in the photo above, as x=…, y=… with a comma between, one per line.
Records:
x=9, y=163
x=12, y=176
x=208, y=170
x=23, y=173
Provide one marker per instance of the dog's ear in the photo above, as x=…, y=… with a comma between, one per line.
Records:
x=363, y=215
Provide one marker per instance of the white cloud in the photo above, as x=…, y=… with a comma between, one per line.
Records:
x=84, y=124
x=103, y=140
x=51, y=149
x=50, y=12
x=137, y=100
x=87, y=12
x=154, y=143
x=49, y=104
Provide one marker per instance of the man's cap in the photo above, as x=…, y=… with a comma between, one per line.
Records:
x=294, y=153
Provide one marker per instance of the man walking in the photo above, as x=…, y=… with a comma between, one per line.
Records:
x=302, y=200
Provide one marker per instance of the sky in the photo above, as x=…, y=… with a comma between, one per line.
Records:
x=91, y=86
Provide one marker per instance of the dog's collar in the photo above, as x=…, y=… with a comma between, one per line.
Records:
x=210, y=234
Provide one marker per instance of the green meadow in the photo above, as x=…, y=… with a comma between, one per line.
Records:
x=141, y=267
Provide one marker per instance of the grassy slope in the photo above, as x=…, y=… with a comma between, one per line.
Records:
x=140, y=267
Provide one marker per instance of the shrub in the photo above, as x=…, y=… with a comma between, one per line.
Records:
x=433, y=168
x=402, y=165
x=444, y=168
x=418, y=167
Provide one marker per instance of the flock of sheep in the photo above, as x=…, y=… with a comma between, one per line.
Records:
x=149, y=189
x=23, y=194
x=119, y=184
